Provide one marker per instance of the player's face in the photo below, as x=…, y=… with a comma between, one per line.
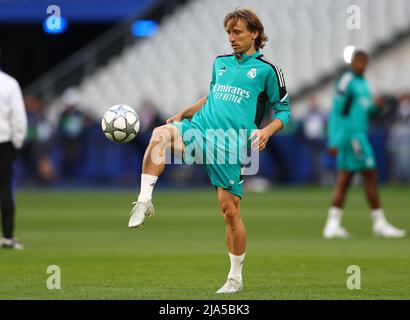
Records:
x=359, y=63
x=241, y=39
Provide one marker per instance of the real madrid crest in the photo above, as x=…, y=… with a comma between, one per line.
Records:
x=251, y=73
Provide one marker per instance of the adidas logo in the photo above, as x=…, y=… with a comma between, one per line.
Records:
x=222, y=71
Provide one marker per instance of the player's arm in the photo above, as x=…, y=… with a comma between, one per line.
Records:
x=279, y=101
x=18, y=117
x=189, y=111
x=378, y=106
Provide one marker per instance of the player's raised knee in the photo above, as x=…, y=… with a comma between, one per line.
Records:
x=161, y=134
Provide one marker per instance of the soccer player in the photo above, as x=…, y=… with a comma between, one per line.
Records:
x=244, y=86
x=13, y=127
x=352, y=106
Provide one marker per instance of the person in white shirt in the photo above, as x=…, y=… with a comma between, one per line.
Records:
x=13, y=128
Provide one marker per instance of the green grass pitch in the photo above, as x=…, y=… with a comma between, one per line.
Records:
x=180, y=253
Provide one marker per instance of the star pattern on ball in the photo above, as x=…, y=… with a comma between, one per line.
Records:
x=130, y=127
x=121, y=112
x=110, y=127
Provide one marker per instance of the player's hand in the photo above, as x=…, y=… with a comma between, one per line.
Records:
x=260, y=139
x=176, y=118
x=379, y=102
x=332, y=151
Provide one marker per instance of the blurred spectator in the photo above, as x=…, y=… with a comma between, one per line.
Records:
x=314, y=126
x=72, y=131
x=399, y=141
x=37, y=166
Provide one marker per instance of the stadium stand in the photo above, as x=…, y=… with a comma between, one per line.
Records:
x=176, y=61
x=389, y=73
x=173, y=68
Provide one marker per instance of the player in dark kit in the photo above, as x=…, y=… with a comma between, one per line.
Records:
x=13, y=127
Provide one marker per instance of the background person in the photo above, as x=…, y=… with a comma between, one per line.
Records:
x=353, y=105
x=13, y=128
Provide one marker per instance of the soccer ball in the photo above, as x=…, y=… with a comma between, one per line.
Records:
x=120, y=123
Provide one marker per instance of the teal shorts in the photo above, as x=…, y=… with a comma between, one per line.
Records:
x=225, y=175
x=355, y=154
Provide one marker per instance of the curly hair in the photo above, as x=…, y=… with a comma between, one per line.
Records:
x=253, y=22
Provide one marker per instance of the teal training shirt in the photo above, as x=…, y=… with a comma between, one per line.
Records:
x=352, y=106
x=241, y=92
